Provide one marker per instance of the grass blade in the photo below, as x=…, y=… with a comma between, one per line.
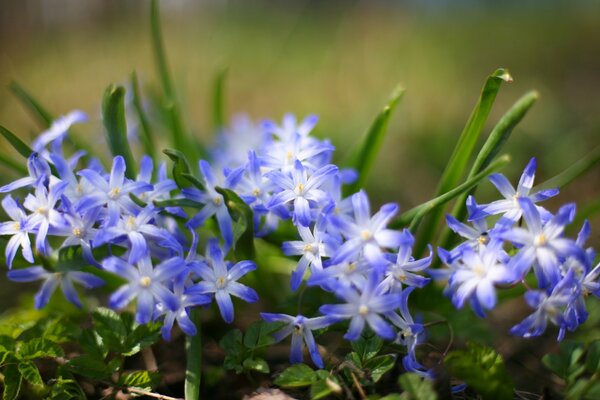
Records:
x=415, y=214
x=113, y=117
x=363, y=156
x=44, y=117
x=573, y=172
x=193, y=353
x=146, y=137
x=15, y=142
x=489, y=150
x=463, y=150
x=218, y=101
x=14, y=165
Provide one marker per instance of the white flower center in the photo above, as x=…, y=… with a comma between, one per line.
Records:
x=540, y=240
x=363, y=310
x=366, y=235
x=77, y=232
x=221, y=282
x=114, y=192
x=299, y=189
x=145, y=281
x=217, y=201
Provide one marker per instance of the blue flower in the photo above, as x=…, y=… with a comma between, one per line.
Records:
x=301, y=329
x=366, y=234
x=52, y=280
x=478, y=235
x=542, y=245
x=19, y=228
x=57, y=132
x=364, y=307
x=214, y=203
x=39, y=174
x=220, y=277
x=510, y=207
x=403, y=267
x=146, y=283
x=301, y=190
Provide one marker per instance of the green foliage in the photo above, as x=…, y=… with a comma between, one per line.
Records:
x=144, y=380
x=366, y=151
x=241, y=350
x=43, y=116
x=579, y=366
x=298, y=375
x=218, y=100
x=416, y=388
x=243, y=224
x=181, y=168
x=12, y=382
x=15, y=142
x=147, y=137
x=482, y=368
x=113, y=117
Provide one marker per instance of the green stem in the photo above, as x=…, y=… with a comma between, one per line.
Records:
x=193, y=351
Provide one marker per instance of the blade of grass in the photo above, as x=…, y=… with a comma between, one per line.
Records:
x=15, y=142
x=583, y=165
x=12, y=164
x=193, y=352
x=462, y=151
x=364, y=154
x=415, y=214
x=147, y=136
x=489, y=150
x=218, y=100
x=113, y=117
x=42, y=115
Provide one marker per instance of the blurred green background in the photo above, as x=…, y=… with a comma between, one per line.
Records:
x=339, y=60
x=336, y=59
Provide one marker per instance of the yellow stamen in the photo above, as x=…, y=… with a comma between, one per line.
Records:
x=363, y=310
x=145, y=281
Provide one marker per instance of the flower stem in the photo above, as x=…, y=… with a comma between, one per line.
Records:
x=193, y=351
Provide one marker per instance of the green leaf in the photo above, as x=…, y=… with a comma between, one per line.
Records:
x=218, y=101
x=147, y=137
x=15, y=142
x=256, y=364
x=325, y=386
x=364, y=155
x=113, y=117
x=482, y=369
x=144, y=380
x=463, y=150
x=243, y=224
x=44, y=117
x=12, y=382
x=66, y=389
x=178, y=203
x=92, y=344
x=378, y=366
x=89, y=366
x=142, y=336
x=297, y=375
x=181, y=167
x=234, y=348
x=367, y=346
x=592, y=359
x=415, y=214
x=193, y=367
x=30, y=373
x=573, y=172
x=260, y=334
x=489, y=150
x=12, y=164
x=567, y=363
x=416, y=388
x=39, y=348
x=111, y=328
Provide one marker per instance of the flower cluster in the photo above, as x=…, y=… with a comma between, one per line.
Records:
x=503, y=256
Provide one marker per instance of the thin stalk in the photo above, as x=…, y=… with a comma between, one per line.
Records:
x=193, y=351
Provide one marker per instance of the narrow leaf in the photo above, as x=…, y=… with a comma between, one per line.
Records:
x=489, y=150
x=147, y=136
x=44, y=117
x=364, y=155
x=218, y=100
x=181, y=167
x=193, y=350
x=113, y=117
x=573, y=172
x=12, y=164
x=415, y=214
x=15, y=142
x=159, y=50
x=463, y=150
x=243, y=229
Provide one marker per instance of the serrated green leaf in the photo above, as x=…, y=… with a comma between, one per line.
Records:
x=89, y=366
x=489, y=150
x=30, y=373
x=256, y=364
x=12, y=382
x=243, y=224
x=366, y=151
x=113, y=118
x=260, y=334
x=234, y=348
x=181, y=166
x=111, y=329
x=367, y=346
x=15, y=142
x=463, y=150
x=39, y=348
x=218, y=100
x=297, y=375
x=66, y=389
x=415, y=214
x=482, y=369
x=92, y=344
x=145, y=380
x=378, y=366
x=141, y=337
x=416, y=387
x=147, y=137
